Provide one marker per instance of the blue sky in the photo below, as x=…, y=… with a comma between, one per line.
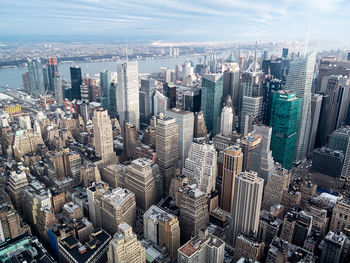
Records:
x=180, y=20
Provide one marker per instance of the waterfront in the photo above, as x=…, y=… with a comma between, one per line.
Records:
x=13, y=76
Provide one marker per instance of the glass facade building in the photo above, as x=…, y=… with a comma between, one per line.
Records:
x=285, y=115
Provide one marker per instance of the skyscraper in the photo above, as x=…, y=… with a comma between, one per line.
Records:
x=113, y=93
x=169, y=90
x=128, y=93
x=125, y=247
x=105, y=82
x=76, y=81
x=51, y=71
x=160, y=103
x=299, y=80
x=58, y=90
x=36, y=78
x=200, y=166
x=251, y=149
x=167, y=133
x=246, y=204
x=211, y=104
x=185, y=121
x=251, y=110
x=316, y=103
x=103, y=136
x=267, y=164
x=285, y=115
x=233, y=159
x=226, y=121
x=146, y=99
x=231, y=86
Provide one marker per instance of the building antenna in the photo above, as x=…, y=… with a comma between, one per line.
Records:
x=256, y=46
x=307, y=40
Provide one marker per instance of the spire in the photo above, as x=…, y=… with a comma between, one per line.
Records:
x=126, y=49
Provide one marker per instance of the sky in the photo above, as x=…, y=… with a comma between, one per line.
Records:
x=178, y=20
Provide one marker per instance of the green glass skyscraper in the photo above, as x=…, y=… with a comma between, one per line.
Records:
x=211, y=104
x=285, y=116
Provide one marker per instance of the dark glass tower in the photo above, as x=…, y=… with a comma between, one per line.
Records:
x=76, y=81
x=169, y=90
x=51, y=70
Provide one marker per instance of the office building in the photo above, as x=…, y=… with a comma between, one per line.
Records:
x=26, y=141
x=72, y=250
x=333, y=247
x=231, y=86
x=191, y=100
x=163, y=229
x=24, y=248
x=103, y=137
x=125, y=247
x=18, y=182
x=248, y=247
x=327, y=161
x=211, y=102
x=204, y=247
x=105, y=82
x=199, y=130
x=128, y=93
x=251, y=111
x=201, y=166
x=252, y=83
x=302, y=228
x=341, y=215
x=246, y=204
x=316, y=103
x=267, y=164
x=113, y=93
x=232, y=166
x=251, y=149
x=36, y=78
x=76, y=81
x=167, y=132
x=130, y=139
x=299, y=80
x=140, y=180
x=185, y=121
x=52, y=71
x=58, y=89
x=340, y=140
x=169, y=90
x=194, y=213
x=160, y=103
x=226, y=121
x=146, y=100
x=270, y=85
x=278, y=181
x=269, y=227
x=285, y=116
x=113, y=208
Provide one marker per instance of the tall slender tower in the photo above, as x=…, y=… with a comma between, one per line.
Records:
x=233, y=159
x=167, y=133
x=300, y=79
x=105, y=83
x=128, y=93
x=36, y=77
x=246, y=205
x=103, y=136
x=76, y=81
x=51, y=71
x=226, y=121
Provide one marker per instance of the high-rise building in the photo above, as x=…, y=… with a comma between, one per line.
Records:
x=341, y=215
x=204, y=247
x=333, y=247
x=125, y=247
x=128, y=93
x=232, y=166
x=18, y=181
x=160, y=103
x=199, y=130
x=269, y=227
x=251, y=110
x=200, y=166
x=140, y=180
x=284, y=52
x=231, y=86
x=52, y=71
x=169, y=90
x=76, y=81
x=194, y=213
x=36, y=77
x=211, y=102
x=103, y=136
x=299, y=80
x=58, y=89
x=246, y=204
x=251, y=149
x=167, y=132
x=105, y=82
x=340, y=140
x=248, y=247
x=267, y=164
x=130, y=139
x=113, y=93
x=316, y=103
x=327, y=161
x=278, y=181
x=270, y=85
x=191, y=100
x=113, y=208
x=252, y=83
x=185, y=121
x=226, y=121
x=285, y=116
x=163, y=229
x=146, y=100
